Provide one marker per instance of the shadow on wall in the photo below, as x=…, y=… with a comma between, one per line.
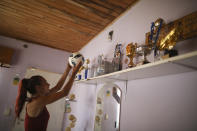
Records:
x=16, y=57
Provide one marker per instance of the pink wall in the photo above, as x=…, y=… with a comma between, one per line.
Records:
x=165, y=103
x=34, y=56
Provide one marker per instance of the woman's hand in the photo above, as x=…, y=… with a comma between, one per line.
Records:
x=76, y=69
x=61, y=80
x=64, y=92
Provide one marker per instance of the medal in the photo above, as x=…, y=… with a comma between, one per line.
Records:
x=155, y=30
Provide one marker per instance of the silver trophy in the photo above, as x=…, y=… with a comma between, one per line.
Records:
x=143, y=51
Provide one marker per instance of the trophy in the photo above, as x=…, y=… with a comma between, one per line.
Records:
x=143, y=50
x=169, y=41
x=154, y=34
x=165, y=40
x=117, y=60
x=130, y=52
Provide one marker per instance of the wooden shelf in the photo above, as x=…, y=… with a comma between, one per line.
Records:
x=174, y=65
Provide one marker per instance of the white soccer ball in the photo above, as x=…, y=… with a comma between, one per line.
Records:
x=75, y=58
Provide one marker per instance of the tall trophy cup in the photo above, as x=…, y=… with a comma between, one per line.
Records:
x=130, y=52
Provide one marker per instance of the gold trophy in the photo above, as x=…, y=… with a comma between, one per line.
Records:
x=163, y=40
x=130, y=52
x=169, y=41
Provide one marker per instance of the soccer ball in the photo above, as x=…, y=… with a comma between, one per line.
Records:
x=75, y=58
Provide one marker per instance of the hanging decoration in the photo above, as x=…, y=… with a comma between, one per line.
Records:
x=16, y=80
x=107, y=93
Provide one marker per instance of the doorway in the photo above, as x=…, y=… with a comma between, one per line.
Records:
x=108, y=105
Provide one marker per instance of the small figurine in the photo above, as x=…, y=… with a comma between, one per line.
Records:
x=72, y=118
x=72, y=97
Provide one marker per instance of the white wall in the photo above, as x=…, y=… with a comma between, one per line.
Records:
x=34, y=56
x=165, y=103
x=132, y=26
x=161, y=104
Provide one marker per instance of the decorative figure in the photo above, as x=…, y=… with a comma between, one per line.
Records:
x=99, y=100
x=72, y=118
x=72, y=97
x=68, y=129
x=97, y=119
x=68, y=110
x=86, y=67
x=16, y=80
x=107, y=93
x=100, y=111
x=72, y=125
x=67, y=107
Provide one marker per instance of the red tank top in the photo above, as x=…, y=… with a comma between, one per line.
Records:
x=38, y=123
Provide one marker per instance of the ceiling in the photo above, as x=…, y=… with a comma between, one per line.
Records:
x=62, y=24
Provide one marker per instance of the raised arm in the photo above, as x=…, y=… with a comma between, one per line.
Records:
x=44, y=100
x=61, y=80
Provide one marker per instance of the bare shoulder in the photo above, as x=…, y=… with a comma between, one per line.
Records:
x=34, y=108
